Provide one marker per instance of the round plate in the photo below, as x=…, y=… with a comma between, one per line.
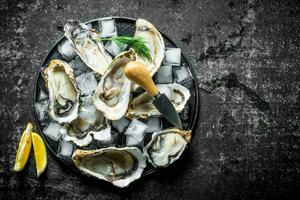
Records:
x=125, y=26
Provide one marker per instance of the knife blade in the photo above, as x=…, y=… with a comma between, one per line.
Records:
x=166, y=108
x=138, y=73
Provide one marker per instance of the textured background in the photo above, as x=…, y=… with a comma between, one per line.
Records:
x=246, y=58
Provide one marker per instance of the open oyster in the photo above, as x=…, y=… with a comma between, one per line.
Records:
x=89, y=124
x=166, y=146
x=120, y=166
x=63, y=92
x=90, y=51
x=82, y=132
x=113, y=92
x=154, y=42
x=142, y=106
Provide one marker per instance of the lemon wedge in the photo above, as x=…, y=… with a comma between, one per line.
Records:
x=23, y=149
x=40, y=153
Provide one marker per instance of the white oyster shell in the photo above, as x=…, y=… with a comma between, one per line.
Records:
x=142, y=106
x=113, y=92
x=82, y=133
x=120, y=166
x=63, y=92
x=166, y=146
x=155, y=43
x=90, y=51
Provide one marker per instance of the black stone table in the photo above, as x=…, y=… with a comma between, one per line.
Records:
x=246, y=58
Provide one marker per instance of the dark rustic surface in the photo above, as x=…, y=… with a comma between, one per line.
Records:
x=246, y=58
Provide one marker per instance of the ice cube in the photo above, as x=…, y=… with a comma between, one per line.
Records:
x=87, y=110
x=132, y=141
x=182, y=74
x=78, y=66
x=65, y=148
x=87, y=103
x=87, y=83
x=172, y=56
x=42, y=95
x=154, y=125
x=41, y=109
x=52, y=131
x=120, y=124
x=107, y=27
x=113, y=48
x=164, y=74
x=135, y=132
x=104, y=136
x=66, y=50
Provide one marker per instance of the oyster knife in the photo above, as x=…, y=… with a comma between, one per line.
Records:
x=138, y=73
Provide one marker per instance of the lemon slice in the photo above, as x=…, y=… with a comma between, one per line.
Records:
x=23, y=149
x=40, y=153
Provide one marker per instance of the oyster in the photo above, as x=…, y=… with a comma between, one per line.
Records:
x=166, y=146
x=113, y=92
x=142, y=106
x=120, y=166
x=154, y=42
x=90, y=51
x=89, y=124
x=82, y=132
x=77, y=132
x=63, y=92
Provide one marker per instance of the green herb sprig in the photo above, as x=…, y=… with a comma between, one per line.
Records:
x=137, y=43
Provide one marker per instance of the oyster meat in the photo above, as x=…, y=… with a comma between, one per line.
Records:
x=142, y=106
x=154, y=42
x=120, y=166
x=113, y=92
x=63, y=92
x=90, y=51
x=166, y=146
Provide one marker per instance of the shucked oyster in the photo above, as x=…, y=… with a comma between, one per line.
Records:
x=90, y=51
x=120, y=166
x=82, y=132
x=166, y=146
x=89, y=124
x=142, y=106
x=154, y=42
x=113, y=91
x=63, y=92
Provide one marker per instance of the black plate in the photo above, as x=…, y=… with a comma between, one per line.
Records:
x=125, y=26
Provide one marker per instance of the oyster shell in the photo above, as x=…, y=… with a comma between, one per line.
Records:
x=120, y=166
x=166, y=146
x=63, y=92
x=113, y=92
x=90, y=51
x=142, y=106
x=82, y=132
x=155, y=43
x=89, y=124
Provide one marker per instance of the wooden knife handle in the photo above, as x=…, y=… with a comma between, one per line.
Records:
x=139, y=74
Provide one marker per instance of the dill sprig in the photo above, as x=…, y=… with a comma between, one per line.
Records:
x=137, y=43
